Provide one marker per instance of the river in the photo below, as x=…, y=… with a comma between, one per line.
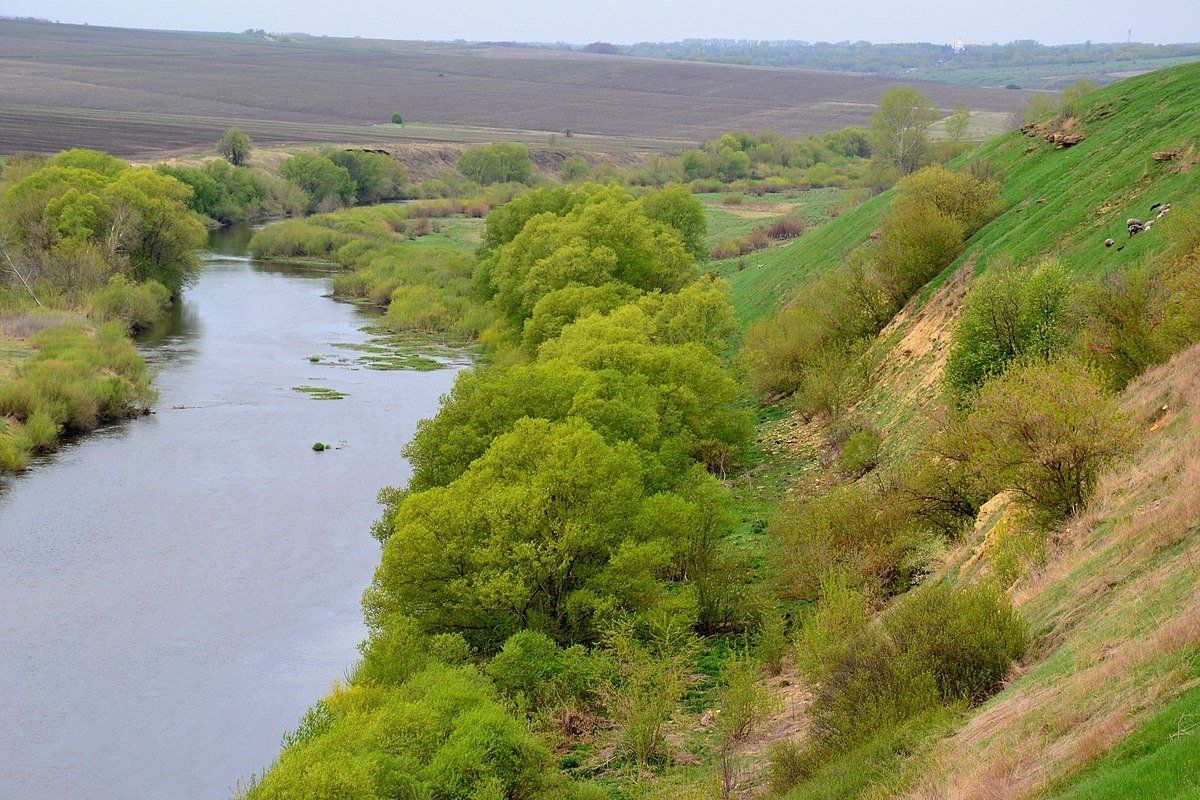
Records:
x=176, y=590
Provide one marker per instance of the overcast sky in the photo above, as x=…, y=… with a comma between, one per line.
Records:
x=626, y=21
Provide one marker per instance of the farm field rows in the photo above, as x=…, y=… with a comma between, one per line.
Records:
x=164, y=91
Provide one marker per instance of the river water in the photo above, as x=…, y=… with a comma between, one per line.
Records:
x=176, y=590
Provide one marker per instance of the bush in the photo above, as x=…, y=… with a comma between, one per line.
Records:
x=786, y=228
x=860, y=452
x=966, y=638
x=499, y=162
x=860, y=533
x=134, y=305
x=1010, y=313
x=938, y=645
x=1045, y=430
x=234, y=147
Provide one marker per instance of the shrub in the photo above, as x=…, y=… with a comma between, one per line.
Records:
x=786, y=228
x=860, y=452
x=1010, y=313
x=499, y=162
x=937, y=645
x=234, y=147
x=731, y=248
x=744, y=701
x=574, y=168
x=864, y=535
x=1045, y=430
x=134, y=305
x=965, y=637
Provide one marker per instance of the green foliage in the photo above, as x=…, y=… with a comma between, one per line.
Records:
x=134, y=220
x=574, y=169
x=1009, y=314
x=958, y=122
x=76, y=380
x=606, y=238
x=499, y=162
x=899, y=128
x=678, y=209
x=860, y=452
x=813, y=346
x=440, y=734
x=865, y=535
x=230, y=194
x=649, y=681
x=327, y=185
x=376, y=177
x=234, y=147
x=966, y=637
x=1043, y=430
x=938, y=645
x=135, y=305
x=397, y=118
x=744, y=702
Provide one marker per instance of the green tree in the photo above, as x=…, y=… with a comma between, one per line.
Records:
x=397, y=119
x=574, y=168
x=499, y=162
x=900, y=128
x=328, y=185
x=1010, y=313
x=1044, y=430
x=519, y=541
x=234, y=147
x=958, y=123
x=677, y=207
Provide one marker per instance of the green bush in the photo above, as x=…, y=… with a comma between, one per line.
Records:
x=1010, y=313
x=1043, y=430
x=966, y=638
x=860, y=452
x=938, y=645
x=134, y=305
x=499, y=162
x=865, y=535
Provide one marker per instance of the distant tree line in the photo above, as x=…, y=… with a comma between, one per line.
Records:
x=892, y=59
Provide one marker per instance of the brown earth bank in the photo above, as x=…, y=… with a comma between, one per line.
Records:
x=153, y=81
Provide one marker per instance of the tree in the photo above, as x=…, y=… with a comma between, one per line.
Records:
x=958, y=122
x=574, y=168
x=397, y=119
x=327, y=184
x=499, y=162
x=1039, y=106
x=677, y=207
x=1076, y=91
x=900, y=128
x=519, y=541
x=234, y=147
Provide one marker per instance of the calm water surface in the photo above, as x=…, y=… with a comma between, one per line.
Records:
x=176, y=590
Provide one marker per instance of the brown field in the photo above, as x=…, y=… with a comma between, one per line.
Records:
x=142, y=93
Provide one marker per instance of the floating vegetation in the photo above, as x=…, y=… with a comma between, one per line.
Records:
x=388, y=351
x=320, y=392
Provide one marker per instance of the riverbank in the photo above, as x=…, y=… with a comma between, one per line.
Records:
x=197, y=570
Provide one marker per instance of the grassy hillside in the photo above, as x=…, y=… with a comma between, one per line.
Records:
x=1057, y=203
x=1103, y=705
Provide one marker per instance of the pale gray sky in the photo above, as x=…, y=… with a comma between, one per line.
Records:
x=626, y=21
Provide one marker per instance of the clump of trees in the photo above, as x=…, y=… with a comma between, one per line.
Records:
x=499, y=162
x=90, y=248
x=336, y=179
x=563, y=517
x=82, y=216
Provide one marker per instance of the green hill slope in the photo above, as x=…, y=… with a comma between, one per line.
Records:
x=1058, y=202
x=1104, y=705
